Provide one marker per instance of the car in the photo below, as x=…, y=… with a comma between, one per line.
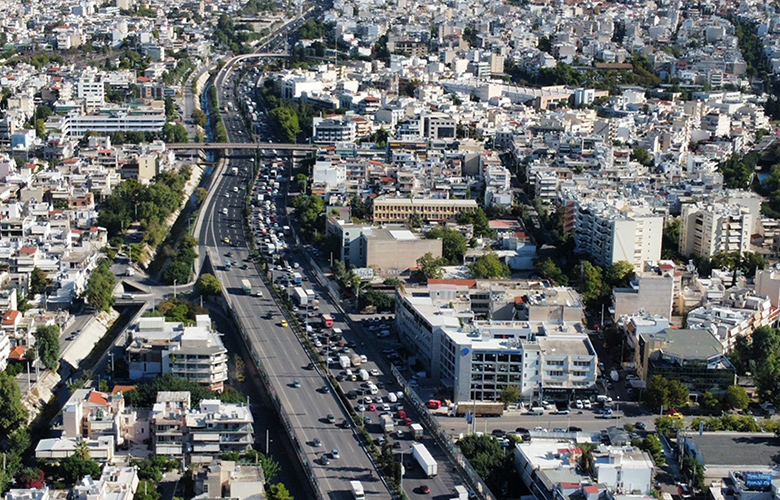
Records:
x=317, y=442
x=361, y=407
x=371, y=408
x=325, y=389
x=324, y=460
x=331, y=418
x=574, y=428
x=521, y=430
x=561, y=412
x=284, y=323
x=297, y=383
x=367, y=400
x=379, y=399
x=586, y=404
x=373, y=372
x=640, y=425
x=559, y=429
x=340, y=378
x=367, y=420
x=423, y=489
x=497, y=432
x=399, y=434
x=385, y=407
x=579, y=404
x=539, y=429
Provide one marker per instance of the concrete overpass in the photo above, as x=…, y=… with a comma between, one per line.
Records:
x=282, y=146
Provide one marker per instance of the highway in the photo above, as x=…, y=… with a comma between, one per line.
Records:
x=282, y=356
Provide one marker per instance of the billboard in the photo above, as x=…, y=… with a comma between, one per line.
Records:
x=757, y=480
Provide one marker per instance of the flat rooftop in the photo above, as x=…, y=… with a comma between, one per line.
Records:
x=738, y=450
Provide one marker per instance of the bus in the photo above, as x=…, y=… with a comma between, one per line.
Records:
x=357, y=490
x=246, y=286
x=327, y=320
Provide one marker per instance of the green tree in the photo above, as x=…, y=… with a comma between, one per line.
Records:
x=709, y=401
x=278, y=491
x=693, y=470
x=47, y=340
x=547, y=269
x=39, y=280
x=302, y=181
x=177, y=272
x=678, y=394
x=100, y=287
x=489, y=459
x=619, y=274
x=174, y=133
x=509, y=395
x=147, y=490
x=430, y=266
x=657, y=392
x=73, y=468
x=200, y=196
x=642, y=156
x=199, y=116
x=489, y=266
x=12, y=414
x=208, y=285
x=453, y=244
x=652, y=445
x=736, y=397
x=591, y=282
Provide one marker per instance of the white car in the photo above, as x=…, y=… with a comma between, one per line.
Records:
x=587, y=404
x=579, y=404
x=373, y=372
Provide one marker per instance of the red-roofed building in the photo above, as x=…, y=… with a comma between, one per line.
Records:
x=93, y=414
x=11, y=320
x=25, y=260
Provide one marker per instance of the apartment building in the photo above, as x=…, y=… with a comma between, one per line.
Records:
x=692, y=356
x=652, y=292
x=618, y=231
x=91, y=88
x=28, y=494
x=226, y=479
x=714, y=228
x=93, y=414
x=332, y=130
x=192, y=352
x=199, y=434
x=216, y=428
x=479, y=359
x=115, y=483
x=389, y=209
x=109, y=120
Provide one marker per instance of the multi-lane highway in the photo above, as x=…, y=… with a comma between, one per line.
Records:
x=282, y=356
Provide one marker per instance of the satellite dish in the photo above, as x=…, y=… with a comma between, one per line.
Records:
x=465, y=351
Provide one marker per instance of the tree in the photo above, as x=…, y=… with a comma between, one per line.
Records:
x=430, y=266
x=200, y=196
x=12, y=413
x=47, y=340
x=509, y=395
x=642, y=156
x=174, y=133
x=302, y=181
x=278, y=491
x=619, y=274
x=147, y=490
x=657, y=392
x=652, y=445
x=82, y=450
x=73, y=468
x=199, y=116
x=678, y=394
x=489, y=266
x=736, y=397
x=453, y=244
x=709, y=401
x=208, y=285
x=549, y=270
x=177, y=272
x=591, y=282
x=693, y=470
x=100, y=287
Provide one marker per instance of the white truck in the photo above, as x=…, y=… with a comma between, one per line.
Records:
x=461, y=493
x=344, y=361
x=388, y=424
x=300, y=297
x=363, y=374
x=424, y=458
x=357, y=490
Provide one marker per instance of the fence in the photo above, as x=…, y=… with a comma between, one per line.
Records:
x=441, y=438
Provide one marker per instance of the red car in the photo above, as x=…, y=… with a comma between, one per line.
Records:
x=371, y=408
x=407, y=421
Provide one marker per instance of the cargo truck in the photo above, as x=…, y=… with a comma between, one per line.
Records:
x=300, y=297
x=461, y=493
x=388, y=424
x=357, y=490
x=246, y=286
x=363, y=375
x=356, y=360
x=327, y=320
x=344, y=361
x=477, y=409
x=417, y=430
x=424, y=458
x=297, y=278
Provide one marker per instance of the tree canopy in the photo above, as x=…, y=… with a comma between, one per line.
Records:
x=12, y=413
x=208, y=285
x=47, y=341
x=100, y=287
x=453, y=244
x=489, y=266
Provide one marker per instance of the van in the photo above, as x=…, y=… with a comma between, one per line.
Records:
x=363, y=358
x=536, y=410
x=391, y=397
x=373, y=389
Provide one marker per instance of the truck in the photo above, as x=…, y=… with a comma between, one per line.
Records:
x=246, y=286
x=363, y=375
x=344, y=361
x=270, y=248
x=424, y=458
x=388, y=424
x=480, y=409
x=614, y=375
x=461, y=493
x=327, y=320
x=357, y=490
x=297, y=278
x=300, y=297
x=356, y=360
x=311, y=295
x=417, y=431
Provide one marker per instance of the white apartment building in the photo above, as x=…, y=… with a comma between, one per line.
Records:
x=202, y=433
x=91, y=88
x=612, y=232
x=332, y=130
x=109, y=120
x=479, y=359
x=28, y=494
x=714, y=228
x=192, y=352
x=327, y=177
x=115, y=483
x=92, y=414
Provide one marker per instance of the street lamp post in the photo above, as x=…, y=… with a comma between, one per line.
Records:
x=174, y=288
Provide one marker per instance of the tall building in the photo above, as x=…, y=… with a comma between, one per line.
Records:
x=192, y=352
x=706, y=230
x=91, y=88
x=612, y=232
x=548, y=358
x=389, y=209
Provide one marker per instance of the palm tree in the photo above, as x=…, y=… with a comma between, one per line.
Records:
x=82, y=450
x=586, y=459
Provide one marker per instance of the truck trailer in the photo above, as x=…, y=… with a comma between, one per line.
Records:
x=483, y=409
x=424, y=458
x=388, y=424
x=344, y=361
x=300, y=297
